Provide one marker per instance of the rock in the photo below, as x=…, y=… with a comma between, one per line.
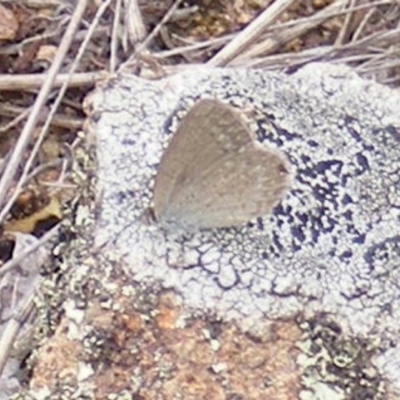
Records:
x=316, y=281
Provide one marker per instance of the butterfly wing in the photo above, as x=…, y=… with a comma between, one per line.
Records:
x=214, y=175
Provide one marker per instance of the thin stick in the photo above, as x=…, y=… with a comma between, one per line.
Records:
x=363, y=24
x=344, y=31
x=15, y=121
x=72, y=123
x=250, y=33
x=33, y=81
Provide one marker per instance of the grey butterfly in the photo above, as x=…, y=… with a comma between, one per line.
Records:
x=213, y=174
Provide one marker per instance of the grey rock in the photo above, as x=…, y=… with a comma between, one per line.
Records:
x=332, y=245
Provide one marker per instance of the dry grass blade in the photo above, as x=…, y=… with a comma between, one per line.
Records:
x=114, y=36
x=13, y=327
x=134, y=25
x=251, y=33
x=207, y=44
x=152, y=35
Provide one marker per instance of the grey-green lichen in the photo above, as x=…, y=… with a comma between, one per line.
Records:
x=336, y=364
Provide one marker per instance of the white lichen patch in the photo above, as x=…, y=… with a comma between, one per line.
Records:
x=332, y=245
